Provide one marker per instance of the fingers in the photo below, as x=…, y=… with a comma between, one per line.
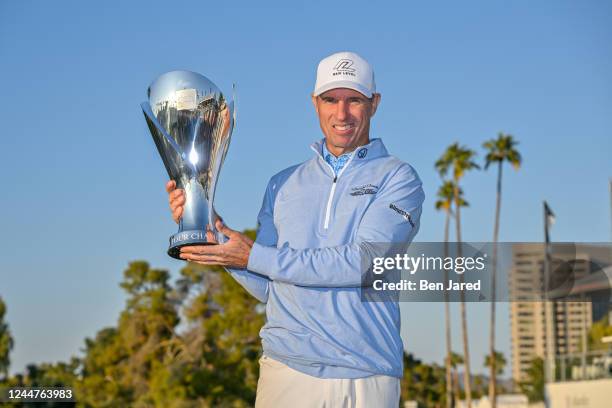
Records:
x=170, y=186
x=204, y=250
x=224, y=229
x=177, y=202
x=177, y=213
x=233, y=253
x=210, y=236
x=219, y=224
x=176, y=199
x=204, y=254
x=205, y=259
x=177, y=196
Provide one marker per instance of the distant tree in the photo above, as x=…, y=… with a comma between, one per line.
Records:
x=500, y=362
x=599, y=330
x=445, y=201
x=458, y=160
x=105, y=379
x=533, y=387
x=120, y=362
x=217, y=355
x=500, y=150
x=150, y=359
x=49, y=375
x=479, y=384
x=407, y=384
x=422, y=383
x=6, y=342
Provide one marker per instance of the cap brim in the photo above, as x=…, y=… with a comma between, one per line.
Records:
x=343, y=84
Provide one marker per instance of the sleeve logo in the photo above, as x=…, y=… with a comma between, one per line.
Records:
x=403, y=213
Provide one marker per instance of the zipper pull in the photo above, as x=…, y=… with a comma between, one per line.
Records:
x=329, y=203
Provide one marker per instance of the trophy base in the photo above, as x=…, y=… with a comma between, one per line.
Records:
x=186, y=238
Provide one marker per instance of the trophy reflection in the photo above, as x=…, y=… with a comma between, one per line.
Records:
x=191, y=123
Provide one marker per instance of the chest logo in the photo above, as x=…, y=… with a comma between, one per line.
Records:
x=365, y=189
x=362, y=153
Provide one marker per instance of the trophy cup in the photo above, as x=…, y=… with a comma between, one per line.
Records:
x=191, y=123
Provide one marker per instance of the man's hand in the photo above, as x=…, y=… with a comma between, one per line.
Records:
x=234, y=253
x=176, y=198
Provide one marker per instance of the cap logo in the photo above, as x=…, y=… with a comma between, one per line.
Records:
x=362, y=153
x=344, y=67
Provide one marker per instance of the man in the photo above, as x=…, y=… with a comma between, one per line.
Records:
x=322, y=345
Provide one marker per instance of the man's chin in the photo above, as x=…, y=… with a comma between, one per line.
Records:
x=343, y=147
x=342, y=142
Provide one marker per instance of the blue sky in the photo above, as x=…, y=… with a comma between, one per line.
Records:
x=83, y=191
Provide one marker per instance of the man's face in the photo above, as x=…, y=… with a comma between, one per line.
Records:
x=344, y=116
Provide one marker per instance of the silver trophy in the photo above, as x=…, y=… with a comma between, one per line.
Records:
x=191, y=123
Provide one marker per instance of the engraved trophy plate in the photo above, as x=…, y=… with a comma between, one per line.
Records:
x=191, y=123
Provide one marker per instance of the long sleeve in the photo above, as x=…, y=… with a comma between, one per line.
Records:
x=256, y=284
x=393, y=217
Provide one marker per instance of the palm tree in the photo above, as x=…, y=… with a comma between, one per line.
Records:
x=445, y=203
x=459, y=159
x=499, y=151
x=499, y=362
x=456, y=359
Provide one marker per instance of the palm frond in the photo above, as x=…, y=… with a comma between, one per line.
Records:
x=502, y=149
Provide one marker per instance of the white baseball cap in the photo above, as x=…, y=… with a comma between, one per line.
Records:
x=345, y=70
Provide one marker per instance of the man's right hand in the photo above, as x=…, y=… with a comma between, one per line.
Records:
x=176, y=198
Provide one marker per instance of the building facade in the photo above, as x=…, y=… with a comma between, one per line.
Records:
x=550, y=329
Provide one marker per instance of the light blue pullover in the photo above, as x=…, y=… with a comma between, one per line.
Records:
x=314, y=227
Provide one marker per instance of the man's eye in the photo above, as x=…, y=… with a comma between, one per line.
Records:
x=328, y=100
x=355, y=101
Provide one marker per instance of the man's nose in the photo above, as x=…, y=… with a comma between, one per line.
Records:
x=342, y=111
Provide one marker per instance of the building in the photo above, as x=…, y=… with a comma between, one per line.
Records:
x=567, y=320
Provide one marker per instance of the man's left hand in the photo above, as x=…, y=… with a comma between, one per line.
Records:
x=234, y=253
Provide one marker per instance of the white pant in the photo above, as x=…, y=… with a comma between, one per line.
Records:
x=282, y=386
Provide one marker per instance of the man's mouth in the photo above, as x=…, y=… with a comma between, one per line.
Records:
x=343, y=129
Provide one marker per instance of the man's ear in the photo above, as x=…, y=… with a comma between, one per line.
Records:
x=375, y=102
x=314, y=102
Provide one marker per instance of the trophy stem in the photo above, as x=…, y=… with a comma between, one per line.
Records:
x=192, y=227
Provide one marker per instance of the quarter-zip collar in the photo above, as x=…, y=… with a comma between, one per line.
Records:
x=372, y=150
x=337, y=163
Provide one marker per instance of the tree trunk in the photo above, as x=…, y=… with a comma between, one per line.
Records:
x=466, y=349
x=493, y=360
x=449, y=381
x=456, y=386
